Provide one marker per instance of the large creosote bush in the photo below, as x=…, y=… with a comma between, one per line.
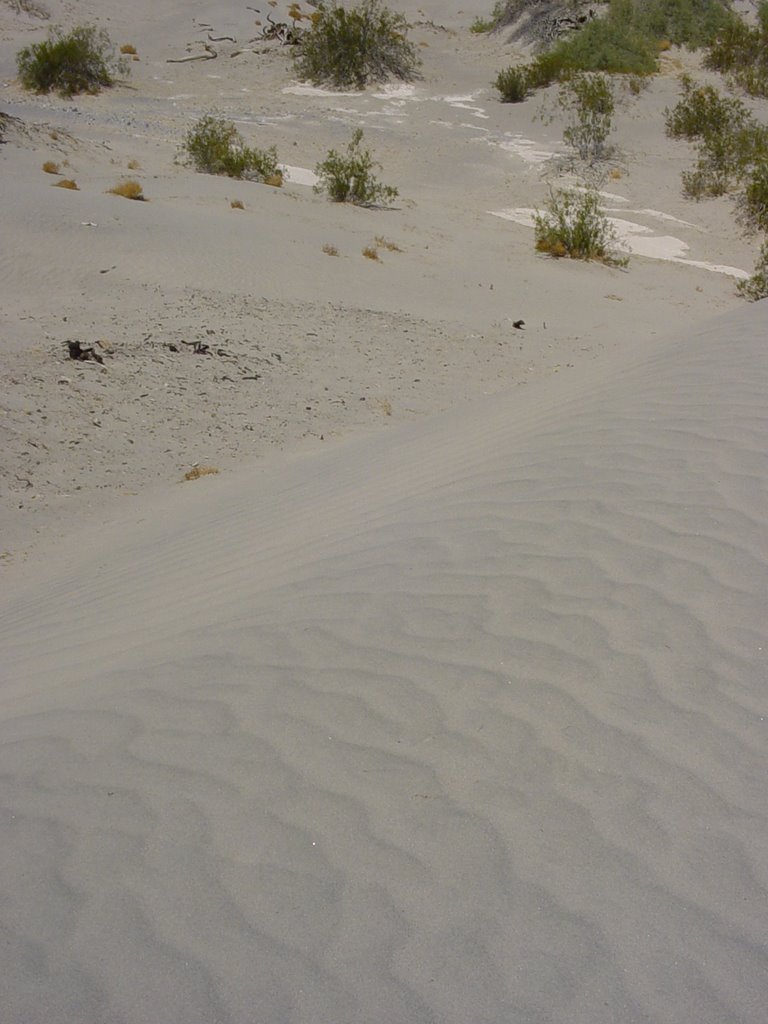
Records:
x=214, y=146
x=573, y=225
x=349, y=178
x=730, y=143
x=82, y=60
x=348, y=47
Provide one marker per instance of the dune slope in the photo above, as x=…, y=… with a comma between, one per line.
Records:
x=462, y=723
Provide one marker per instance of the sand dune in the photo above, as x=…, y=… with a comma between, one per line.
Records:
x=461, y=723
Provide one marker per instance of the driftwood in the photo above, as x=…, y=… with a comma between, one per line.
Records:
x=210, y=54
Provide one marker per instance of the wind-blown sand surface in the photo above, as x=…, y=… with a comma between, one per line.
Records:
x=462, y=723
x=445, y=701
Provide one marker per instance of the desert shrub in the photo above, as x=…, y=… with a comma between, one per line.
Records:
x=691, y=23
x=129, y=189
x=129, y=49
x=608, y=44
x=371, y=253
x=349, y=178
x=742, y=52
x=67, y=183
x=236, y=204
x=82, y=60
x=350, y=47
x=756, y=286
x=588, y=100
x=330, y=250
x=513, y=84
x=730, y=143
x=574, y=225
x=752, y=203
x=603, y=44
x=214, y=146
x=51, y=167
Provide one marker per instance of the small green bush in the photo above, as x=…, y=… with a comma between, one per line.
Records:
x=349, y=178
x=752, y=203
x=756, y=286
x=214, y=146
x=82, y=60
x=742, y=52
x=691, y=23
x=350, y=47
x=513, y=84
x=574, y=225
x=588, y=100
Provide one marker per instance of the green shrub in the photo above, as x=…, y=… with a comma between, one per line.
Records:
x=588, y=99
x=513, y=84
x=752, y=203
x=604, y=44
x=349, y=178
x=574, y=225
x=214, y=146
x=691, y=23
x=608, y=44
x=350, y=47
x=82, y=60
x=742, y=52
x=730, y=142
x=756, y=286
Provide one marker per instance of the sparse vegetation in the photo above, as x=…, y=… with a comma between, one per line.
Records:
x=51, y=167
x=573, y=225
x=385, y=243
x=128, y=48
x=197, y=471
x=134, y=165
x=82, y=60
x=348, y=47
x=756, y=286
x=588, y=100
x=67, y=183
x=214, y=146
x=130, y=189
x=330, y=250
x=371, y=253
x=741, y=52
x=349, y=178
x=237, y=204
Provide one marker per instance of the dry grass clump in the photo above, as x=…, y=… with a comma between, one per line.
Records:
x=67, y=183
x=384, y=243
x=133, y=165
x=371, y=253
x=237, y=204
x=197, y=471
x=129, y=189
x=276, y=179
x=51, y=167
x=128, y=48
x=330, y=250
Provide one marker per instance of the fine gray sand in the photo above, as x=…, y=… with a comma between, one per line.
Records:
x=444, y=701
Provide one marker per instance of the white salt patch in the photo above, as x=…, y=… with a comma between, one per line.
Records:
x=667, y=216
x=315, y=90
x=299, y=175
x=525, y=149
x=402, y=92
x=518, y=215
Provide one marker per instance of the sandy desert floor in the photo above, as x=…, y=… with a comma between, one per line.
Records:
x=444, y=699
